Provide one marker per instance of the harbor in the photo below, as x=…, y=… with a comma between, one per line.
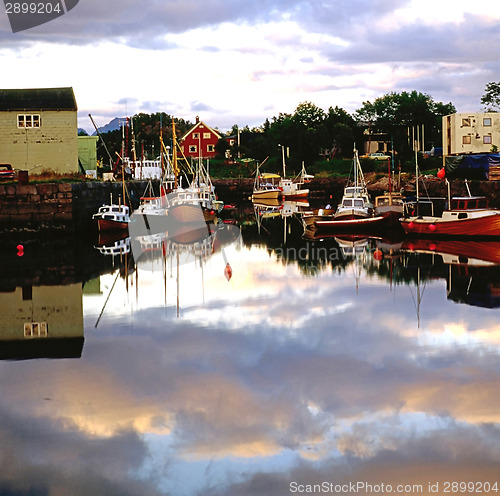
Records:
x=192, y=326
x=301, y=359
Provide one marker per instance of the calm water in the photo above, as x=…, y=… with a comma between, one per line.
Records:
x=319, y=366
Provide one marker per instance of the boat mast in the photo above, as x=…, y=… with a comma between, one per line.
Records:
x=283, y=158
x=174, y=153
x=355, y=166
x=416, y=175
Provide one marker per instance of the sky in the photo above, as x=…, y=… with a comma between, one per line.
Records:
x=239, y=62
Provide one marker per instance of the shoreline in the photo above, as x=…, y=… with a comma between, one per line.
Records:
x=68, y=207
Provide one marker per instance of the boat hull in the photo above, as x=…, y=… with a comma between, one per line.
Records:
x=272, y=194
x=317, y=215
x=392, y=213
x=108, y=225
x=483, y=225
x=296, y=195
x=363, y=225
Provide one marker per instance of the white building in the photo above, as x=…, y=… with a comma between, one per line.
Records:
x=468, y=133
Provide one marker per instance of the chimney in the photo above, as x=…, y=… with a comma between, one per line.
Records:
x=197, y=119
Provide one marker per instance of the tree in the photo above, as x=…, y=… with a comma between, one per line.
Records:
x=395, y=113
x=491, y=97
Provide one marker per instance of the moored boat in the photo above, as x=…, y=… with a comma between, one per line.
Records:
x=355, y=203
x=293, y=188
x=467, y=216
x=267, y=187
x=391, y=206
x=112, y=217
x=319, y=214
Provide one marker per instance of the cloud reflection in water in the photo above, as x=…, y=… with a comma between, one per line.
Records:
x=271, y=378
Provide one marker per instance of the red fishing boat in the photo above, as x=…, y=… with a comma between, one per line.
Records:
x=467, y=216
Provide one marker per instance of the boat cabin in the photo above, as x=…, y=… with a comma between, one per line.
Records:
x=468, y=202
x=354, y=191
x=355, y=197
x=119, y=213
x=389, y=199
x=269, y=181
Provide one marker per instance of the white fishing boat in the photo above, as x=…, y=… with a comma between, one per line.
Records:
x=355, y=203
x=292, y=189
x=112, y=217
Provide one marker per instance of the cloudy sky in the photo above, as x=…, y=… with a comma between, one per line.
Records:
x=240, y=62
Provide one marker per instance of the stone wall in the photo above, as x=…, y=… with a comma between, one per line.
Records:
x=58, y=206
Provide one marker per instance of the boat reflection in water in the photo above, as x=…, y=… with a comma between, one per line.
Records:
x=473, y=268
x=264, y=384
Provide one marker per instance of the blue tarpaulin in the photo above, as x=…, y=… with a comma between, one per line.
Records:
x=477, y=165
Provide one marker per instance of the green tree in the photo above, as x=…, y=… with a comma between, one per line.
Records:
x=491, y=97
x=396, y=113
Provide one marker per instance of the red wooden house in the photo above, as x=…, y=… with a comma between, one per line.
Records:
x=199, y=141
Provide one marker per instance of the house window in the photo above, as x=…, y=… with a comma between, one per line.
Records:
x=193, y=148
x=196, y=135
x=210, y=148
x=466, y=140
x=28, y=120
x=206, y=135
x=487, y=121
x=487, y=140
x=466, y=122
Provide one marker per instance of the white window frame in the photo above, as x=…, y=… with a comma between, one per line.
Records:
x=206, y=135
x=487, y=121
x=28, y=121
x=487, y=140
x=193, y=149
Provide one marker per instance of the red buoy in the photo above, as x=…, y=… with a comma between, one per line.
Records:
x=432, y=227
x=441, y=173
x=228, y=272
x=377, y=254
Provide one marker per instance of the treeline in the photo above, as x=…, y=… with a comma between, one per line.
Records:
x=310, y=135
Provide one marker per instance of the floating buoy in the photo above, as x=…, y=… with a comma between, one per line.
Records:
x=432, y=227
x=410, y=225
x=432, y=246
x=377, y=254
x=228, y=272
x=441, y=173
x=20, y=250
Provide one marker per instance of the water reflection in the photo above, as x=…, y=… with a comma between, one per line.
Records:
x=320, y=360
